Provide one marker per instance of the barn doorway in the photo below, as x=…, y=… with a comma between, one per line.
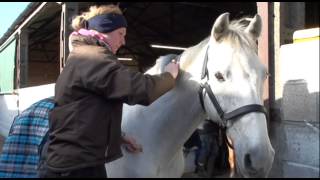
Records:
x=42, y=39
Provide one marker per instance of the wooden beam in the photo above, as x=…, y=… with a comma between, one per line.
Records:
x=44, y=24
x=265, y=10
x=22, y=59
x=44, y=38
x=45, y=21
x=22, y=25
x=68, y=10
x=141, y=11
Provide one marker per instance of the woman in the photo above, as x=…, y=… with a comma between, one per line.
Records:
x=85, y=126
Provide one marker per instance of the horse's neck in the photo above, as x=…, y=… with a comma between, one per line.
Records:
x=165, y=125
x=186, y=113
x=182, y=108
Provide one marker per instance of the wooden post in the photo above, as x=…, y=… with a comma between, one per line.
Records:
x=17, y=64
x=265, y=49
x=21, y=76
x=23, y=57
x=68, y=10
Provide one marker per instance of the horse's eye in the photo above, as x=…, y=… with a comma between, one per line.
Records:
x=219, y=76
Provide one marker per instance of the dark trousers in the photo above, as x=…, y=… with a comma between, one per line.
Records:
x=88, y=172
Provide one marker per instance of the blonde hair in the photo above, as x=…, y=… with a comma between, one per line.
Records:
x=79, y=21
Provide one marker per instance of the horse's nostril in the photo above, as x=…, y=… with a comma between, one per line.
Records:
x=247, y=160
x=248, y=164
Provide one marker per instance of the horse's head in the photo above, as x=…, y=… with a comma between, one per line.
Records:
x=236, y=76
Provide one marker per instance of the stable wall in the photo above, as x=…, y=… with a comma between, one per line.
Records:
x=295, y=130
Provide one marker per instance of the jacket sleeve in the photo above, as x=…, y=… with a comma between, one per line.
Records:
x=114, y=81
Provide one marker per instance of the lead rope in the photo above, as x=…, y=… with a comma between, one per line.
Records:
x=224, y=134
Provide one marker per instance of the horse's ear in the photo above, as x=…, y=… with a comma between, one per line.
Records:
x=255, y=26
x=220, y=26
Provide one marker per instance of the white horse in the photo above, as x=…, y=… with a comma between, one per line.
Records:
x=226, y=64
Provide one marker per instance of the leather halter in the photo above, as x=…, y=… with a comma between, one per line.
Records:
x=223, y=115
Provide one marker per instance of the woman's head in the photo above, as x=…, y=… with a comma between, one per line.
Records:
x=107, y=21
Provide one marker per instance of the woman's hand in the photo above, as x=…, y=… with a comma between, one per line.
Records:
x=131, y=145
x=172, y=68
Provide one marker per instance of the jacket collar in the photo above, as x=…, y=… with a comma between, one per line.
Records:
x=80, y=40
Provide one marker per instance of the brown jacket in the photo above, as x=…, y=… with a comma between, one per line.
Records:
x=85, y=127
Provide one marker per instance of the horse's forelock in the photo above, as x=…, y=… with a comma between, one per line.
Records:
x=238, y=37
